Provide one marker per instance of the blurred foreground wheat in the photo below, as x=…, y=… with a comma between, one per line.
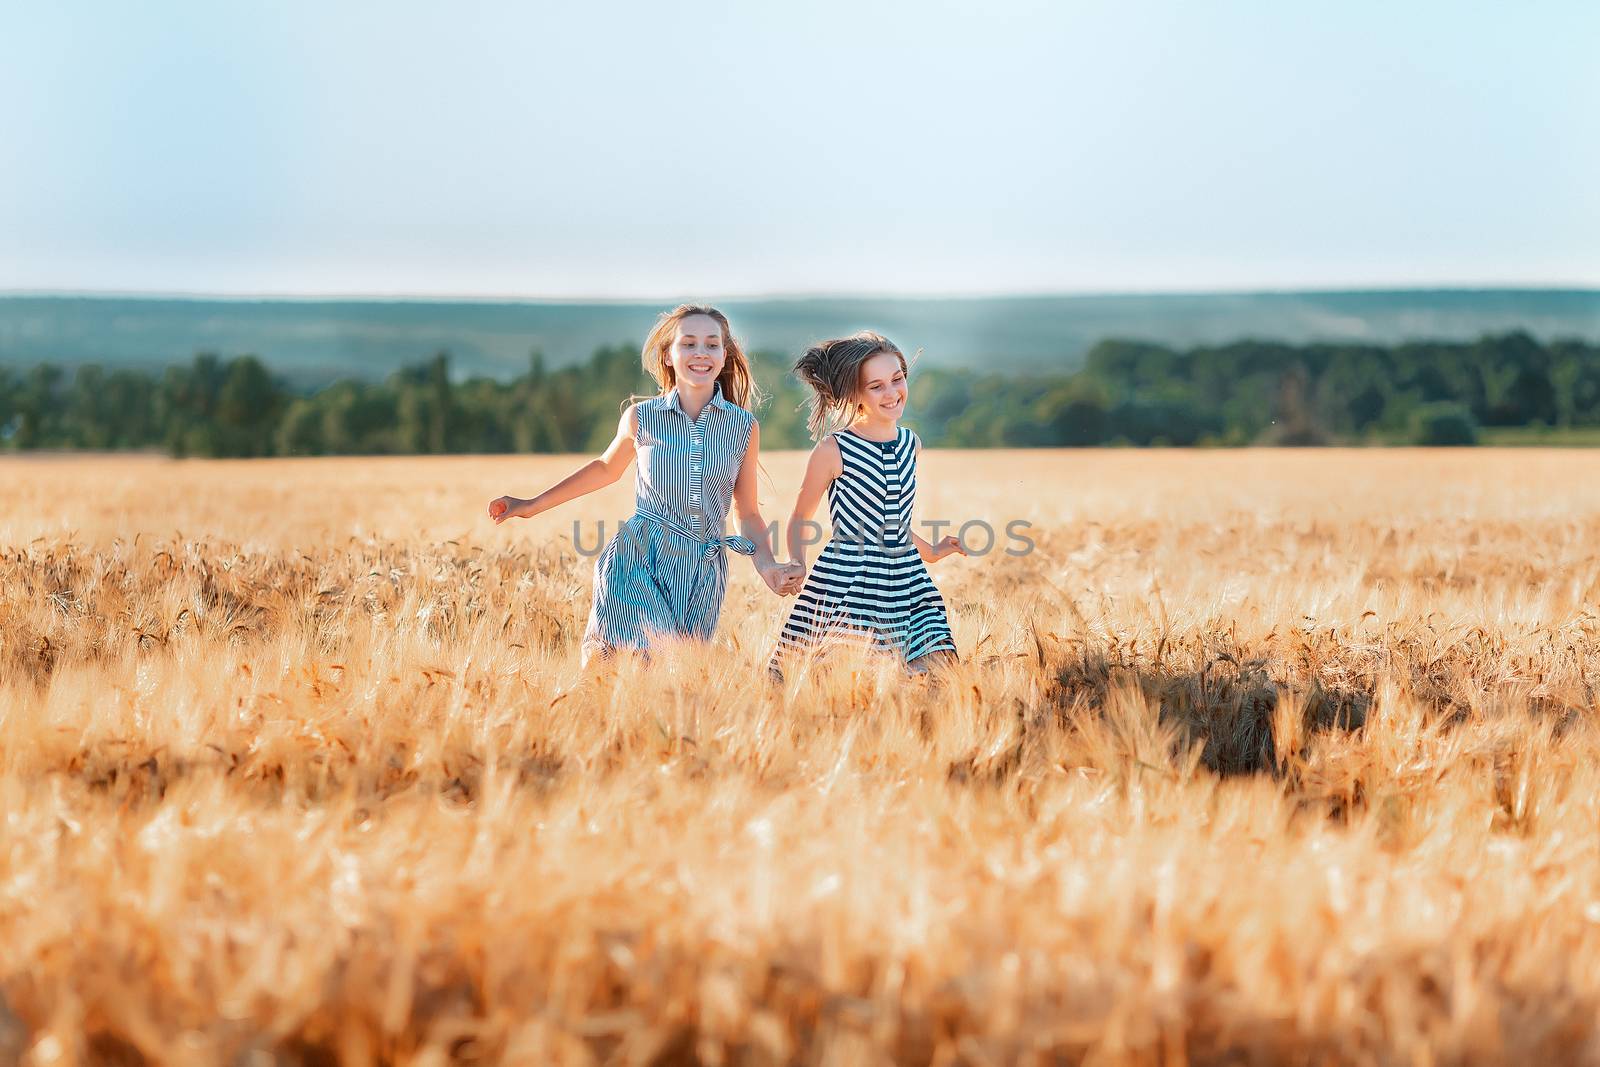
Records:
x=1256, y=758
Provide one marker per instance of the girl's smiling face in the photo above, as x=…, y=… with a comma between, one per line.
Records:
x=883, y=387
x=697, y=355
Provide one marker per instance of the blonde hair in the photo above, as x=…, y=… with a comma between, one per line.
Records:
x=833, y=371
x=738, y=383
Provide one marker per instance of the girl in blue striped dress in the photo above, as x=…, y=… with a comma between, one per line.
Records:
x=665, y=570
x=870, y=584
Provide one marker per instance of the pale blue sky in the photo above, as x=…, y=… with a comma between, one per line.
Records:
x=718, y=149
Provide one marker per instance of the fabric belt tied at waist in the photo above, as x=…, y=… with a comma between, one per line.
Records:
x=709, y=547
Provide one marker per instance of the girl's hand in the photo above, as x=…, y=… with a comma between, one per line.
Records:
x=784, y=579
x=795, y=578
x=948, y=546
x=502, y=508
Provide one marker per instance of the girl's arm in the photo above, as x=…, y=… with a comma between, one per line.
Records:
x=595, y=474
x=946, y=545
x=824, y=466
x=751, y=524
x=934, y=553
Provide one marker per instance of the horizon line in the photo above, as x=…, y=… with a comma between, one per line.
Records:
x=789, y=295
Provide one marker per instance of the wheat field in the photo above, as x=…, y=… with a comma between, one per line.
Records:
x=1256, y=757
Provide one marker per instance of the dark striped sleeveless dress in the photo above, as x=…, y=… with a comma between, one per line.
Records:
x=665, y=570
x=868, y=586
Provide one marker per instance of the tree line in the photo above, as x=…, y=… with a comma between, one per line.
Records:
x=1127, y=393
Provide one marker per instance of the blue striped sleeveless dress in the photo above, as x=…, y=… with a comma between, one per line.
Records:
x=665, y=569
x=868, y=585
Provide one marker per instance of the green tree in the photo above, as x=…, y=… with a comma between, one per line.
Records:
x=248, y=407
x=1444, y=423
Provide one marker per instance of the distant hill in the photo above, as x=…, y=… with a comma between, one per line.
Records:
x=317, y=340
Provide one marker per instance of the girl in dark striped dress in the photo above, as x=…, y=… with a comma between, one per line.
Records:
x=870, y=584
x=665, y=570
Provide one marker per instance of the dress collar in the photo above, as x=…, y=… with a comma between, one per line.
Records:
x=717, y=399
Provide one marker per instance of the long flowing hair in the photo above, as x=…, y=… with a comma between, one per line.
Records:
x=737, y=381
x=832, y=369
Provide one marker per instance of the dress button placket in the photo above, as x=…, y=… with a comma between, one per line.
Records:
x=697, y=455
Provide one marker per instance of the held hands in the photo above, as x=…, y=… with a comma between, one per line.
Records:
x=502, y=508
x=785, y=579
